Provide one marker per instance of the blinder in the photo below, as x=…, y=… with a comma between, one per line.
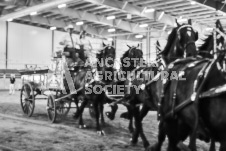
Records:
x=196, y=36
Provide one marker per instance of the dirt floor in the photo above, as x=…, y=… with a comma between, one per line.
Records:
x=18, y=132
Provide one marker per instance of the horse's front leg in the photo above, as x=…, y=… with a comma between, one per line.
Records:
x=111, y=114
x=80, y=113
x=143, y=113
x=96, y=108
x=129, y=115
x=102, y=113
x=161, y=138
x=135, y=135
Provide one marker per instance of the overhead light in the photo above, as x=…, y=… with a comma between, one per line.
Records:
x=79, y=23
x=139, y=36
x=221, y=12
x=129, y=16
x=161, y=15
x=149, y=10
x=110, y=17
x=110, y=39
x=143, y=25
x=111, y=30
x=10, y=19
x=182, y=20
x=193, y=2
x=62, y=5
x=52, y=28
x=209, y=29
x=33, y=13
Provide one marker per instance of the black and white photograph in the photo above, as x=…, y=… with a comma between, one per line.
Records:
x=112, y=75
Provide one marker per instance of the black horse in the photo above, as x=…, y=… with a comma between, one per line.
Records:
x=181, y=114
x=87, y=94
x=206, y=49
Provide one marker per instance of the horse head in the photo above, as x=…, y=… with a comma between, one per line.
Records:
x=181, y=43
x=131, y=58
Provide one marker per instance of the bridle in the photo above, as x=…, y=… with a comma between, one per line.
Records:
x=189, y=42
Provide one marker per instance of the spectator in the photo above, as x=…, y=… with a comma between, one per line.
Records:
x=12, y=84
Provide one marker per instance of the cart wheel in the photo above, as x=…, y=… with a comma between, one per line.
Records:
x=63, y=107
x=51, y=108
x=27, y=99
x=92, y=111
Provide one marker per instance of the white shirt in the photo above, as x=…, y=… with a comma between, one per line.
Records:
x=66, y=41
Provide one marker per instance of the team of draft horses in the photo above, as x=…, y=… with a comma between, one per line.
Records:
x=194, y=108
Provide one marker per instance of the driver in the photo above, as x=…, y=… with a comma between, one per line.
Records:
x=70, y=53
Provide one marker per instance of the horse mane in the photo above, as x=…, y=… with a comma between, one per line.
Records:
x=170, y=40
x=100, y=54
x=125, y=54
x=206, y=43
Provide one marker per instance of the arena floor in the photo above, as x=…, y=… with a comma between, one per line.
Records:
x=36, y=133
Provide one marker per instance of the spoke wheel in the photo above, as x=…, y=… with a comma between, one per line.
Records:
x=63, y=107
x=51, y=108
x=27, y=99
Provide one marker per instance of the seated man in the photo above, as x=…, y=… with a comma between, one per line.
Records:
x=71, y=49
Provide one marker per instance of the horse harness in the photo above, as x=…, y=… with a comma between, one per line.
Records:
x=198, y=85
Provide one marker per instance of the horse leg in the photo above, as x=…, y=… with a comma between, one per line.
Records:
x=212, y=145
x=80, y=112
x=102, y=113
x=135, y=135
x=172, y=134
x=76, y=114
x=192, y=143
x=161, y=138
x=111, y=115
x=130, y=117
x=98, y=127
x=222, y=146
x=143, y=113
x=130, y=127
x=126, y=115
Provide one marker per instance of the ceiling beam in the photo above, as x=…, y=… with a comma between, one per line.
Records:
x=61, y=24
x=100, y=19
x=211, y=4
x=36, y=8
x=135, y=10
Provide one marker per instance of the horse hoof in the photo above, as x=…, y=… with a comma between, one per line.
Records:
x=101, y=133
x=149, y=148
x=110, y=115
x=152, y=148
x=183, y=147
x=132, y=142
x=82, y=126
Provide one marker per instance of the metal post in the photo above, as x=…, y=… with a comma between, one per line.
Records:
x=148, y=45
x=214, y=43
x=7, y=39
x=52, y=42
